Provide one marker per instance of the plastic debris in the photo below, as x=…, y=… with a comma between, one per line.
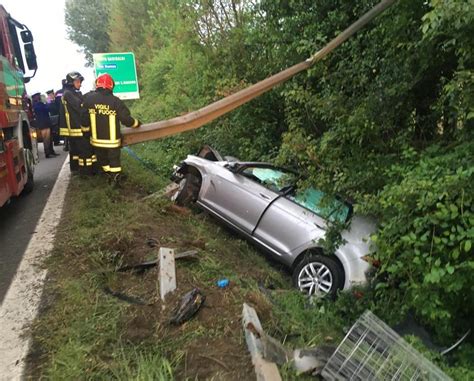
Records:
x=152, y=242
x=222, y=283
x=189, y=305
x=124, y=297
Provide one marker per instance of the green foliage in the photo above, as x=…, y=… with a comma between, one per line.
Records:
x=451, y=25
x=88, y=25
x=425, y=239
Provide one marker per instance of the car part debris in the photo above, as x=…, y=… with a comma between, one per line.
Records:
x=312, y=360
x=187, y=254
x=168, y=192
x=265, y=370
x=139, y=268
x=306, y=360
x=371, y=350
x=123, y=297
x=152, y=242
x=444, y=352
x=189, y=305
x=409, y=326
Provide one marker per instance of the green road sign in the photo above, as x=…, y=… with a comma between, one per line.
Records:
x=121, y=66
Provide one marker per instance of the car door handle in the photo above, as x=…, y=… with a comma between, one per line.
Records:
x=263, y=195
x=319, y=226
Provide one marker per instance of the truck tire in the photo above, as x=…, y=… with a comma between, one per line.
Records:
x=30, y=182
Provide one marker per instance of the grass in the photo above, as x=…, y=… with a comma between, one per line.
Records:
x=84, y=333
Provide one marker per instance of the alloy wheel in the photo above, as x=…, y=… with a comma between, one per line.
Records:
x=315, y=279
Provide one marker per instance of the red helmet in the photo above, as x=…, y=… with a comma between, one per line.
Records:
x=105, y=81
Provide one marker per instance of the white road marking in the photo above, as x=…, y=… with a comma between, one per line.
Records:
x=21, y=303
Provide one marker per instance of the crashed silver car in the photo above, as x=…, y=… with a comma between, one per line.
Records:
x=263, y=203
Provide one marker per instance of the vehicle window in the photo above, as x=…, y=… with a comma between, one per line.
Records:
x=272, y=178
x=318, y=202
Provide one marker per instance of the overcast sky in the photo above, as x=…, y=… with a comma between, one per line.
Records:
x=57, y=56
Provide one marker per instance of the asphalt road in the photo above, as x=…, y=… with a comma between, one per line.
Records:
x=18, y=219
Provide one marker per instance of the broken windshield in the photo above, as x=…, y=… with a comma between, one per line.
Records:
x=330, y=208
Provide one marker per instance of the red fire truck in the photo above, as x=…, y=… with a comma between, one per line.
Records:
x=18, y=146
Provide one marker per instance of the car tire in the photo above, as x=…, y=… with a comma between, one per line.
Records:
x=318, y=275
x=188, y=190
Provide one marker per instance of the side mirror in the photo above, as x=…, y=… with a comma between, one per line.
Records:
x=233, y=167
x=30, y=56
x=26, y=36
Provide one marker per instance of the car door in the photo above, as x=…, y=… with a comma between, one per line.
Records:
x=240, y=197
x=298, y=220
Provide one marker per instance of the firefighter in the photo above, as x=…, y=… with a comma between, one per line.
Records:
x=103, y=112
x=80, y=152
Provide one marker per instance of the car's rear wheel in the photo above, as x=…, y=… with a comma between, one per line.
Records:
x=318, y=275
x=188, y=190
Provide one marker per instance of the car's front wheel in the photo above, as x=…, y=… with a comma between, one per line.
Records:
x=318, y=275
x=188, y=190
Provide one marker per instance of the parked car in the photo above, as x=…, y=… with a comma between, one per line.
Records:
x=264, y=203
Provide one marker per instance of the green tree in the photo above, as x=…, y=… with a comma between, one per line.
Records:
x=88, y=25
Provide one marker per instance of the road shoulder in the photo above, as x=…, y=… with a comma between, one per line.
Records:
x=20, y=305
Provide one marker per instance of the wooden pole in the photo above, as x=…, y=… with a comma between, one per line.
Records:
x=208, y=113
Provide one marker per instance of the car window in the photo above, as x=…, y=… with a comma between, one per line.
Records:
x=272, y=178
x=329, y=208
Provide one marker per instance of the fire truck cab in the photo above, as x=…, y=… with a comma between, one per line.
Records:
x=18, y=146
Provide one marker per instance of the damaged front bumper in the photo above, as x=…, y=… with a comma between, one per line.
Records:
x=178, y=172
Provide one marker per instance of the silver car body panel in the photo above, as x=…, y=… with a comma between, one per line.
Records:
x=281, y=226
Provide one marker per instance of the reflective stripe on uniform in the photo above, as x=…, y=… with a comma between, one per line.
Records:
x=85, y=129
x=81, y=162
x=115, y=169
x=135, y=124
x=75, y=132
x=71, y=132
x=75, y=157
x=113, y=142
x=66, y=112
x=93, y=124
x=106, y=168
x=102, y=143
x=63, y=132
x=112, y=128
x=94, y=158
